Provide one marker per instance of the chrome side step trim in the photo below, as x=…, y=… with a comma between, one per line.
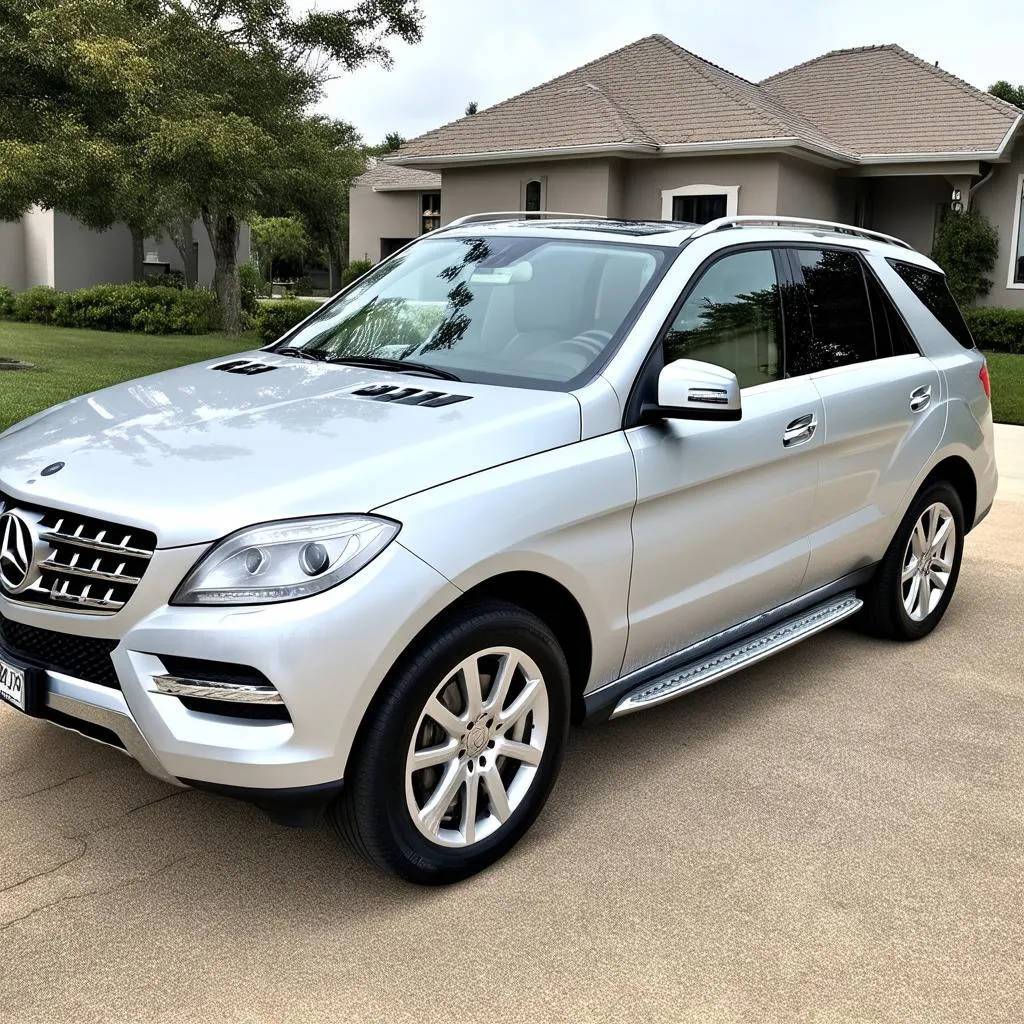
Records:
x=239, y=693
x=732, y=659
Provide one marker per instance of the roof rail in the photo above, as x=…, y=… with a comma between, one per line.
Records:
x=756, y=219
x=474, y=218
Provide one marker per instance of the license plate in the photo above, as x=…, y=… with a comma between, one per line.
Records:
x=13, y=685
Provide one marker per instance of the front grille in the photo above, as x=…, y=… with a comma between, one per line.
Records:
x=81, y=563
x=83, y=657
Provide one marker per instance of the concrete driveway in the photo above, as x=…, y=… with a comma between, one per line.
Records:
x=835, y=835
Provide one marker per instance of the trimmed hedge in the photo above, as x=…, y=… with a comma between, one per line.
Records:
x=118, y=307
x=996, y=329
x=277, y=316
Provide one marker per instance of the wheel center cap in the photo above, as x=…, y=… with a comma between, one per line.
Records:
x=476, y=739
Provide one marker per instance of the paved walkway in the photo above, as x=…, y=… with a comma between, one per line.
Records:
x=834, y=835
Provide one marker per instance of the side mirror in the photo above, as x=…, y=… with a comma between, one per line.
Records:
x=691, y=390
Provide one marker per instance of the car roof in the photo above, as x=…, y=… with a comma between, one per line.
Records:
x=751, y=228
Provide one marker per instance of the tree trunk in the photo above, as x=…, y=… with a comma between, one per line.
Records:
x=223, y=229
x=138, y=243
x=181, y=234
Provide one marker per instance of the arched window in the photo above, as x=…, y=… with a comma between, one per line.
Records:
x=533, y=196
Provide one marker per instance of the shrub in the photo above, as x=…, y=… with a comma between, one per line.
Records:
x=172, y=279
x=253, y=286
x=275, y=318
x=122, y=307
x=354, y=270
x=6, y=302
x=996, y=329
x=966, y=247
x=36, y=305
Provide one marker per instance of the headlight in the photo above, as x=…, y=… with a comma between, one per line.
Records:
x=285, y=561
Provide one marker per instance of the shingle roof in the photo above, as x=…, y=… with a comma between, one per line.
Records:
x=654, y=94
x=388, y=178
x=884, y=100
x=649, y=94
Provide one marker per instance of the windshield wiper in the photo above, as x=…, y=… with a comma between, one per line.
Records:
x=402, y=365
x=301, y=353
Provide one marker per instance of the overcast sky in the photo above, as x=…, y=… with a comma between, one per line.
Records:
x=488, y=51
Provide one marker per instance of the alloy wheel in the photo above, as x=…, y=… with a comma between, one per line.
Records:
x=928, y=561
x=476, y=747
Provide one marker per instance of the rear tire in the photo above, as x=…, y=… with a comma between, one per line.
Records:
x=917, y=576
x=457, y=758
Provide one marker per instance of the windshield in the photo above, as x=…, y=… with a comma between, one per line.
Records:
x=529, y=311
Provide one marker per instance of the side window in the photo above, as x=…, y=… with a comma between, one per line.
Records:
x=931, y=288
x=841, y=330
x=892, y=335
x=732, y=319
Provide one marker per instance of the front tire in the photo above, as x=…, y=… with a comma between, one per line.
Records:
x=457, y=759
x=918, y=575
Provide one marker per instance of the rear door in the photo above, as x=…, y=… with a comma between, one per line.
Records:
x=884, y=413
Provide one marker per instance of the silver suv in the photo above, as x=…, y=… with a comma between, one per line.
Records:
x=523, y=473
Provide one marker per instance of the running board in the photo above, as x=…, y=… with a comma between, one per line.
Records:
x=732, y=659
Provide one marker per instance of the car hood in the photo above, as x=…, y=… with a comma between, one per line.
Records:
x=198, y=452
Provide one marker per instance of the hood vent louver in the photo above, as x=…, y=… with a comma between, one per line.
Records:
x=244, y=366
x=408, y=396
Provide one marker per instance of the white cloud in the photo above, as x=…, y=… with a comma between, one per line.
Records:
x=485, y=51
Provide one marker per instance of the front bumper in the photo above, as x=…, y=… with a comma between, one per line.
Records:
x=326, y=655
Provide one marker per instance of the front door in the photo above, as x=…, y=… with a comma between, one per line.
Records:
x=720, y=530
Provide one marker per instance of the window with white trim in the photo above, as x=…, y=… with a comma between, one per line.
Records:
x=533, y=196
x=699, y=204
x=1015, y=279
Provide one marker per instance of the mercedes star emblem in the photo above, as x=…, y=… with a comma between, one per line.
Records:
x=17, y=551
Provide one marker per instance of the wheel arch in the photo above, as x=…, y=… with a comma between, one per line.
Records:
x=957, y=472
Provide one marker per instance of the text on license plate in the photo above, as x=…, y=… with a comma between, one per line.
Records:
x=12, y=685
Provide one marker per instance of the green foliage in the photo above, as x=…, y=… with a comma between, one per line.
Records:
x=6, y=302
x=253, y=287
x=966, y=247
x=354, y=270
x=173, y=279
x=1007, y=373
x=121, y=307
x=996, y=329
x=278, y=238
x=1011, y=93
x=471, y=108
x=392, y=141
x=275, y=318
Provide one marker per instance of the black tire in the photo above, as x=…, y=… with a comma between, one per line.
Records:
x=372, y=812
x=884, y=612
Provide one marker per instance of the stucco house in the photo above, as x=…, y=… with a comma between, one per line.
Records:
x=45, y=247
x=873, y=136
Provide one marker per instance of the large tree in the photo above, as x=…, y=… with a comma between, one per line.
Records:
x=202, y=103
x=1011, y=93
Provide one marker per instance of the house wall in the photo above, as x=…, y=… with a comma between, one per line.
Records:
x=756, y=176
x=38, y=227
x=571, y=186
x=997, y=201
x=12, y=254
x=905, y=207
x=809, y=190
x=376, y=215
x=168, y=251
x=82, y=258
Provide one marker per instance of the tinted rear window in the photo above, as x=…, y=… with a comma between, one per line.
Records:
x=931, y=288
x=892, y=335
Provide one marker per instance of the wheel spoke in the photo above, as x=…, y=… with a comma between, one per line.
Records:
x=910, y=570
x=918, y=539
x=517, y=751
x=523, y=702
x=942, y=533
x=448, y=720
x=933, y=522
x=942, y=564
x=496, y=794
x=938, y=580
x=433, y=811
x=474, y=691
x=502, y=681
x=469, y=808
x=428, y=757
x=910, y=601
x=924, y=598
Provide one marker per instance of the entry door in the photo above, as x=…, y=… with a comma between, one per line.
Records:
x=720, y=529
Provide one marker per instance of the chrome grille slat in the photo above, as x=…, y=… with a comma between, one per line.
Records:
x=84, y=564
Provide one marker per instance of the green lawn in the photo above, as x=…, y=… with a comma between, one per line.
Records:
x=69, y=362
x=1007, y=373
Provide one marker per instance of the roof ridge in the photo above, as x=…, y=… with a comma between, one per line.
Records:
x=684, y=53
x=822, y=56
x=628, y=125
x=573, y=72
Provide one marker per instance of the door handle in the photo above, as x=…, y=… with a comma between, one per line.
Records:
x=800, y=430
x=920, y=398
